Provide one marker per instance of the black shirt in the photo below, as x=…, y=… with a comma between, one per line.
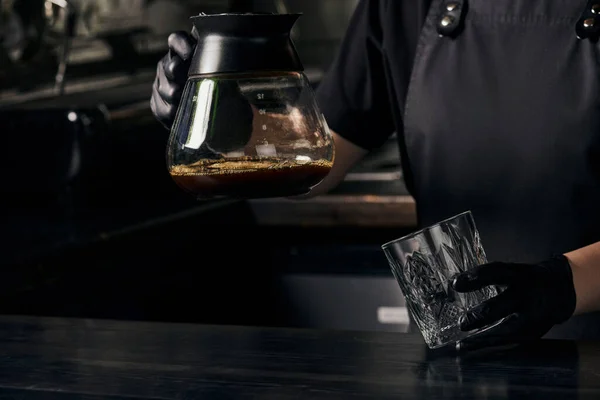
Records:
x=362, y=96
x=503, y=121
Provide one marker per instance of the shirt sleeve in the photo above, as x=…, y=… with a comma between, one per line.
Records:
x=353, y=95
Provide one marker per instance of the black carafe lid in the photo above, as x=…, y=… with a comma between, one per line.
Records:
x=238, y=43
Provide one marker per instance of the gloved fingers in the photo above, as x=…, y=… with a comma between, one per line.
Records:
x=171, y=74
x=182, y=44
x=155, y=111
x=496, y=273
x=175, y=68
x=169, y=88
x=490, y=311
x=163, y=111
x=507, y=332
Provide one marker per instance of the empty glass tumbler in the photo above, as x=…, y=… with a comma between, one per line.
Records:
x=424, y=264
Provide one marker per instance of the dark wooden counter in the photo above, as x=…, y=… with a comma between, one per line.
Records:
x=357, y=210
x=43, y=358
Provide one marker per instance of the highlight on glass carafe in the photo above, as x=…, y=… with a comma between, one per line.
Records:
x=248, y=124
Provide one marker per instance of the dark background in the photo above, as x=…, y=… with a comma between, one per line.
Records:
x=91, y=225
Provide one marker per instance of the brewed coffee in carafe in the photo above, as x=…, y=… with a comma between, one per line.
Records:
x=248, y=125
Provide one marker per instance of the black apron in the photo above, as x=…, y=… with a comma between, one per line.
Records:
x=502, y=117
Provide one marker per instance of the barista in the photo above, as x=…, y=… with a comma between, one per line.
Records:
x=495, y=106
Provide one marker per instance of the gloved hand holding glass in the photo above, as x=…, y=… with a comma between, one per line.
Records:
x=456, y=297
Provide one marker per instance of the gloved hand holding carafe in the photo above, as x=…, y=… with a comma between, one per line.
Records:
x=171, y=76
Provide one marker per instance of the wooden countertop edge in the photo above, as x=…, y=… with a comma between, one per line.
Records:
x=364, y=210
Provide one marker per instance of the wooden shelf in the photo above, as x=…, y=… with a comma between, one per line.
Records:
x=337, y=210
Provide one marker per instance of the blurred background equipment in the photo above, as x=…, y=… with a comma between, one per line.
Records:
x=92, y=224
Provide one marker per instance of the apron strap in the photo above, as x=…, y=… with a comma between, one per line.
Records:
x=588, y=26
x=452, y=16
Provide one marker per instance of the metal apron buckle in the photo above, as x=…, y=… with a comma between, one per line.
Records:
x=452, y=15
x=588, y=26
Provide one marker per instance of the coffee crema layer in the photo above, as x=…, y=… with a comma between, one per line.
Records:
x=250, y=177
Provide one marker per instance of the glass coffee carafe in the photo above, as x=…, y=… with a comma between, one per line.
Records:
x=248, y=125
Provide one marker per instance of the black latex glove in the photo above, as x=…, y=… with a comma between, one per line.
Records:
x=535, y=298
x=232, y=120
x=171, y=76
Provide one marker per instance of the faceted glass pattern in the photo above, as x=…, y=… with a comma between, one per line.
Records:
x=425, y=262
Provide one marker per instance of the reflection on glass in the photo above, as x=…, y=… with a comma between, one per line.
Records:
x=200, y=120
x=424, y=264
